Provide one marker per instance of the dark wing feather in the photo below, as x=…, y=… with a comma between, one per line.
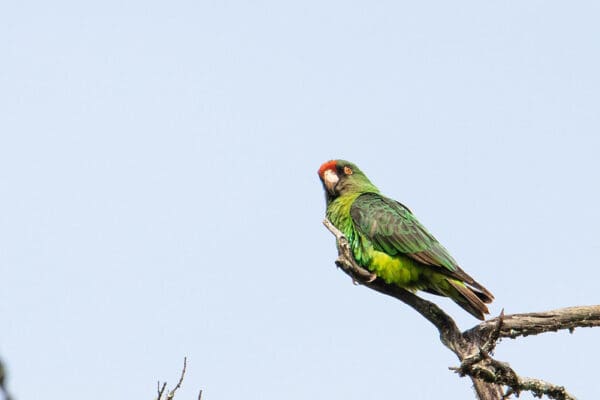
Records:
x=392, y=228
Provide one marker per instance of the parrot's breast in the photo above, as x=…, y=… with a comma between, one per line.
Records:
x=338, y=212
x=397, y=269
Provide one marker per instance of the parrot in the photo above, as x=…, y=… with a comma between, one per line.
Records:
x=388, y=240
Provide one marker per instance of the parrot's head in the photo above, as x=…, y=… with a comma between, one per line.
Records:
x=341, y=177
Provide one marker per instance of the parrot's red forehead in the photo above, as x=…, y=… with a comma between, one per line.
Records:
x=332, y=165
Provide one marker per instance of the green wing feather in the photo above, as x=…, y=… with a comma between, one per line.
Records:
x=392, y=228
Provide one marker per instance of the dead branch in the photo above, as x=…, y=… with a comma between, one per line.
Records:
x=527, y=324
x=171, y=394
x=473, y=347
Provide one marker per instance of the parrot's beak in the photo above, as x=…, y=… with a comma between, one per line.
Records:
x=330, y=180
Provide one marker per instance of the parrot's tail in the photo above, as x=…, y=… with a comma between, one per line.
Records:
x=470, y=300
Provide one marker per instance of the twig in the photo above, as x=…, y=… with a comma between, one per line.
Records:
x=171, y=394
x=161, y=390
x=473, y=347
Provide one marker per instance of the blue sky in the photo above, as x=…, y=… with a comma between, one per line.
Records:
x=160, y=197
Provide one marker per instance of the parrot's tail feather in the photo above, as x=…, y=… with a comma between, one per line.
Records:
x=486, y=296
x=469, y=300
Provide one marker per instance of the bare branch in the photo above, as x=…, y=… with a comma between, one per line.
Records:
x=473, y=347
x=538, y=388
x=161, y=390
x=527, y=324
x=171, y=394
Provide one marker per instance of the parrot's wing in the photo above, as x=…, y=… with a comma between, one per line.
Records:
x=393, y=229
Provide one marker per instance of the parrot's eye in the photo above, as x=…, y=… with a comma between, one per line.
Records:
x=347, y=170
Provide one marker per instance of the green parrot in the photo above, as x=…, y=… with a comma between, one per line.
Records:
x=388, y=240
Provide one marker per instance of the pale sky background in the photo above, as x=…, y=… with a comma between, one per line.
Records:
x=159, y=195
